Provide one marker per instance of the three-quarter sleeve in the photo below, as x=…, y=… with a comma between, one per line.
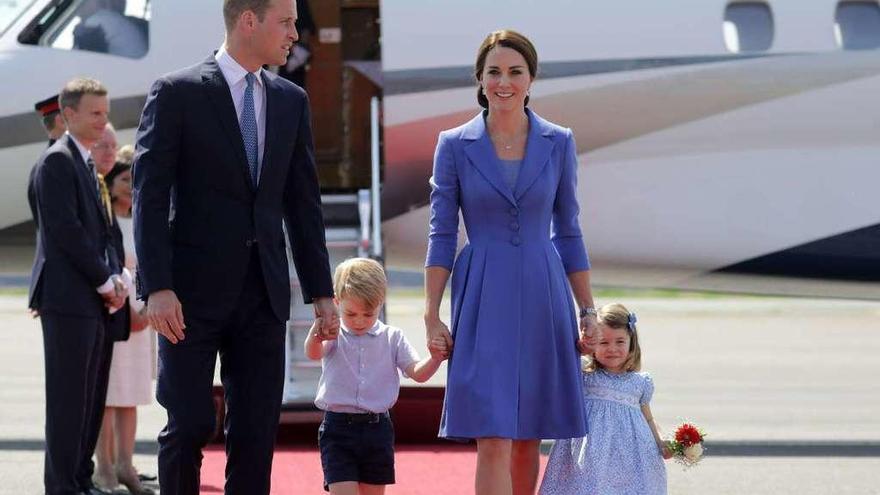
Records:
x=566, y=232
x=443, y=235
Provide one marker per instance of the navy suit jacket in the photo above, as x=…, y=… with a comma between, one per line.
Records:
x=73, y=240
x=196, y=213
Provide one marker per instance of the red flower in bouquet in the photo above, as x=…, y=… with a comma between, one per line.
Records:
x=688, y=434
x=687, y=444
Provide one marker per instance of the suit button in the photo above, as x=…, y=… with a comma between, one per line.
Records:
x=515, y=240
x=514, y=226
x=249, y=243
x=514, y=211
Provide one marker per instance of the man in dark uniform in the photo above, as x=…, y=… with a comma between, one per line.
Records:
x=50, y=114
x=75, y=283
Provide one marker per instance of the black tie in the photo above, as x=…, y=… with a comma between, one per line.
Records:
x=91, y=164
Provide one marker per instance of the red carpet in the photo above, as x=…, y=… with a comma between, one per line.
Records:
x=421, y=470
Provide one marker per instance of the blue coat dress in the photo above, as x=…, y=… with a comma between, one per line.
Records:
x=514, y=371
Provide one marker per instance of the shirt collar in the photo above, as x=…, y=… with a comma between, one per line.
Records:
x=84, y=152
x=374, y=330
x=232, y=70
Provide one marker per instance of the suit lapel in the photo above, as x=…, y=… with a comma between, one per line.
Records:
x=220, y=96
x=273, y=94
x=538, y=148
x=82, y=169
x=481, y=154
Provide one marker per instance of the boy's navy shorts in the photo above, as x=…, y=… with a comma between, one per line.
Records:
x=357, y=447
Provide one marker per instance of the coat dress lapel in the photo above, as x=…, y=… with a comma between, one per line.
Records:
x=481, y=153
x=538, y=148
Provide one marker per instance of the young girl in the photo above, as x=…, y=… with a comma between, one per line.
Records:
x=622, y=453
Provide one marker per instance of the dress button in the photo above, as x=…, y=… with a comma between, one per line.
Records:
x=515, y=240
x=514, y=226
x=514, y=211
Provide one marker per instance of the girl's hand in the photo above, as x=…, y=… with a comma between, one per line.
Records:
x=665, y=451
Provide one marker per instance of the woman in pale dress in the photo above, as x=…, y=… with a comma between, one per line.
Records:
x=133, y=366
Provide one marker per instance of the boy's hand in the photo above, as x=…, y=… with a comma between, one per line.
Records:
x=325, y=332
x=438, y=348
x=319, y=333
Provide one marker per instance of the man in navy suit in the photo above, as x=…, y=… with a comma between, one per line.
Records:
x=74, y=284
x=224, y=157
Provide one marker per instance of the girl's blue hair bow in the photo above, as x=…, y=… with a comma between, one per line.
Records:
x=631, y=321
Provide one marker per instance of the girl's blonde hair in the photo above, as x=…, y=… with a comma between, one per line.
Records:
x=361, y=278
x=616, y=316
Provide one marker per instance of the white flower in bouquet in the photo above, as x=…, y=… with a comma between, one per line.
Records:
x=694, y=452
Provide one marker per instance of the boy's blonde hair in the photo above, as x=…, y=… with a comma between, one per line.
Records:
x=361, y=278
x=616, y=316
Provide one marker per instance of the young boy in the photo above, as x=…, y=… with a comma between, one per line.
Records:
x=360, y=382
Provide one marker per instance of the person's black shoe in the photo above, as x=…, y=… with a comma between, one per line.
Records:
x=147, y=477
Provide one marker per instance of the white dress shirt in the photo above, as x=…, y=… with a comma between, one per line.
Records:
x=234, y=74
x=84, y=152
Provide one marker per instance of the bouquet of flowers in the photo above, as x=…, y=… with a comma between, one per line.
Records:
x=687, y=444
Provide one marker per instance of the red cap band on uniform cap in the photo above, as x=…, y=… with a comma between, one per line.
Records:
x=49, y=108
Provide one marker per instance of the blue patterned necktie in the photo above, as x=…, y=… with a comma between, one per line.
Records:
x=248, y=126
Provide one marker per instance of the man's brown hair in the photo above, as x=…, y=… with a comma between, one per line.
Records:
x=74, y=90
x=232, y=10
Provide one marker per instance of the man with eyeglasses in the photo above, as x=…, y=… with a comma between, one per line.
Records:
x=118, y=324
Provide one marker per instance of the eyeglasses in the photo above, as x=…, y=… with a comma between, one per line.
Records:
x=104, y=147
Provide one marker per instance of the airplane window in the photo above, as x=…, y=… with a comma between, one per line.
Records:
x=857, y=25
x=10, y=11
x=748, y=27
x=116, y=27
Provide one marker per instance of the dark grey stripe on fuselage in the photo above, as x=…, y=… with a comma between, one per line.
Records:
x=26, y=128
x=851, y=256
x=418, y=80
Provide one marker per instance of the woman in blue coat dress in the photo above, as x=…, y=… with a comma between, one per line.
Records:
x=514, y=374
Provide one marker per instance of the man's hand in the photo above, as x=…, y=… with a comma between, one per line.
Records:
x=589, y=330
x=115, y=296
x=326, y=311
x=166, y=315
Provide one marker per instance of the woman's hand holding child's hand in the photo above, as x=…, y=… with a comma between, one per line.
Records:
x=438, y=348
x=588, y=335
